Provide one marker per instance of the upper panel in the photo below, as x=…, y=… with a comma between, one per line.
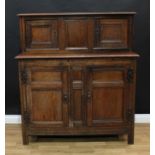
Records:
x=41, y=34
x=111, y=33
x=75, y=32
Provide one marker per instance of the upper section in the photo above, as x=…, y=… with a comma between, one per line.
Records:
x=76, y=32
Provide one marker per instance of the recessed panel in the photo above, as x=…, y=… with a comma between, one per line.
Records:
x=108, y=75
x=77, y=105
x=111, y=33
x=45, y=75
x=76, y=34
x=76, y=74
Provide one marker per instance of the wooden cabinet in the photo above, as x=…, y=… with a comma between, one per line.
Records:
x=70, y=82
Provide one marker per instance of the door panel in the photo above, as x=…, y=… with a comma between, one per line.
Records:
x=106, y=101
x=111, y=33
x=41, y=34
x=47, y=105
x=48, y=95
x=76, y=34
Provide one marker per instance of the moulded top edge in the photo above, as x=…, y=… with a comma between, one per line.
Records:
x=126, y=54
x=75, y=13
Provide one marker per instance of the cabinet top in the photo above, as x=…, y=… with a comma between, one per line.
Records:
x=76, y=13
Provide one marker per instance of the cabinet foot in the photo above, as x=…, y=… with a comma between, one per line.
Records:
x=25, y=139
x=131, y=138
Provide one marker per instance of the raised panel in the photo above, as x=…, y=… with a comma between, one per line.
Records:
x=76, y=34
x=41, y=34
x=107, y=104
x=111, y=33
x=47, y=105
x=45, y=75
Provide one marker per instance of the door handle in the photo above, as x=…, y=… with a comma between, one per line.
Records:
x=65, y=97
x=89, y=95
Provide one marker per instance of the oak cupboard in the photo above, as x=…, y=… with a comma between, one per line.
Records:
x=77, y=74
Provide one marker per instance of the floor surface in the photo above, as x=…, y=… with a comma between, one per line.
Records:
x=78, y=146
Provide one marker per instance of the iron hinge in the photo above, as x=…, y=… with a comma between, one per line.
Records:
x=130, y=75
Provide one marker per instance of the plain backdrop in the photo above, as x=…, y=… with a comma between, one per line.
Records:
x=141, y=40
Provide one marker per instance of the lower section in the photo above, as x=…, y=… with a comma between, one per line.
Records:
x=78, y=132
x=77, y=97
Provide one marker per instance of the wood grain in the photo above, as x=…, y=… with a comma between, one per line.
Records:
x=78, y=146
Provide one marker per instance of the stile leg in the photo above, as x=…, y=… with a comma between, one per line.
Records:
x=131, y=135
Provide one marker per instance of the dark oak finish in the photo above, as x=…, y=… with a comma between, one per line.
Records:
x=87, y=32
x=77, y=74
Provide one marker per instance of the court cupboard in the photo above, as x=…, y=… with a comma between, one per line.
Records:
x=77, y=74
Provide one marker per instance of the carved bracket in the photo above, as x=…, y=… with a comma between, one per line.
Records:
x=130, y=75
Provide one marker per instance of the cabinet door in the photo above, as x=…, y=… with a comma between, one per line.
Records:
x=76, y=34
x=106, y=95
x=111, y=34
x=47, y=96
x=41, y=34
